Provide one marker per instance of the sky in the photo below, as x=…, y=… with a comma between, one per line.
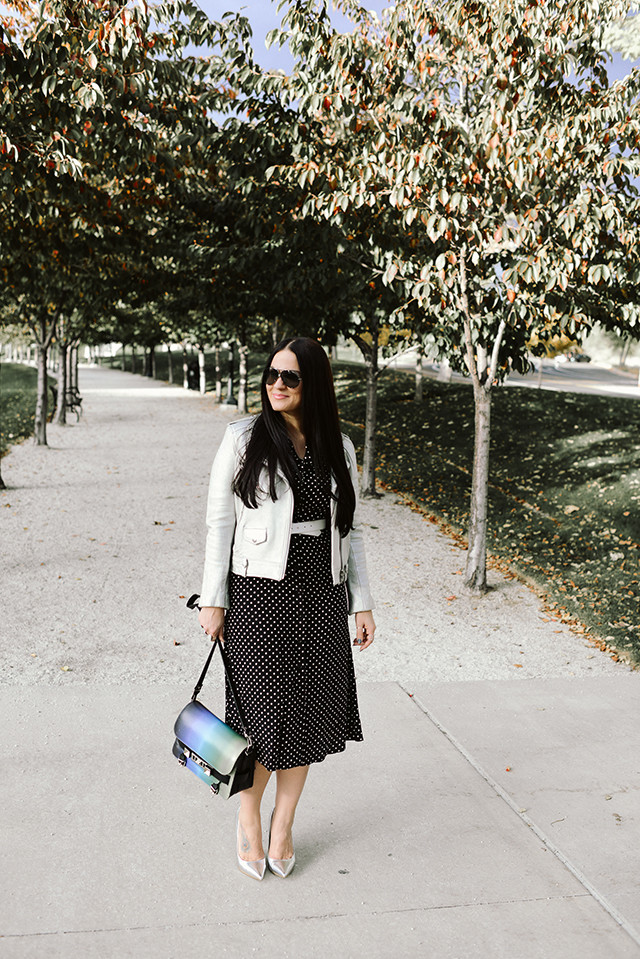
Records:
x=263, y=16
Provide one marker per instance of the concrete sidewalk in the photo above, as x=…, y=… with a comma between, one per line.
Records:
x=491, y=812
x=419, y=841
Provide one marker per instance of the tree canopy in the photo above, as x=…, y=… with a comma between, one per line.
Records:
x=462, y=175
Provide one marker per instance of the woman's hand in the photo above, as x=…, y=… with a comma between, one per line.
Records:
x=212, y=621
x=365, y=629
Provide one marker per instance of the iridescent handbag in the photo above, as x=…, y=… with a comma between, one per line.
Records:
x=215, y=752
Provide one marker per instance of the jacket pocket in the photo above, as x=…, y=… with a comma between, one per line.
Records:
x=255, y=535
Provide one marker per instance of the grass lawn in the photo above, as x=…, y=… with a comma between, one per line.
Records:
x=564, y=485
x=17, y=403
x=161, y=363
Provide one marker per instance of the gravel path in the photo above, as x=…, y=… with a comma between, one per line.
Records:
x=102, y=539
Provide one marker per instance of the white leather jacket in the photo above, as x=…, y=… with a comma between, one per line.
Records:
x=255, y=542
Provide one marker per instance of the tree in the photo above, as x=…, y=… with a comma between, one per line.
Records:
x=532, y=210
x=100, y=108
x=332, y=258
x=493, y=132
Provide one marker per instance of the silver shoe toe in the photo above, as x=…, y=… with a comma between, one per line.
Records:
x=280, y=867
x=255, y=868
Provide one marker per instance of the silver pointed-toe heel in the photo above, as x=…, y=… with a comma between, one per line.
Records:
x=254, y=868
x=280, y=867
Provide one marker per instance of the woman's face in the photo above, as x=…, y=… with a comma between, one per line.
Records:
x=285, y=399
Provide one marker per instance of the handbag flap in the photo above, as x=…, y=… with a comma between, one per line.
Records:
x=211, y=739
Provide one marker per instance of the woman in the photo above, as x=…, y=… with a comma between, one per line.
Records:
x=284, y=565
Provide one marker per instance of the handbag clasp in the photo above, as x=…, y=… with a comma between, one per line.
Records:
x=199, y=762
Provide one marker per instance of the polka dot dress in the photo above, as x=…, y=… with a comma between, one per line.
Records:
x=289, y=647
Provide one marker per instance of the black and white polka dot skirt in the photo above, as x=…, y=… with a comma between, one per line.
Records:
x=290, y=652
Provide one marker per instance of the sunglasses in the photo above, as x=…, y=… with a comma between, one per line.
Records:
x=290, y=378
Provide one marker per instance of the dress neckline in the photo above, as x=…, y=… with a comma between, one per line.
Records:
x=302, y=458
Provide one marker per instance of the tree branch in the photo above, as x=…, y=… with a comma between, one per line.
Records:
x=396, y=356
x=493, y=366
x=361, y=343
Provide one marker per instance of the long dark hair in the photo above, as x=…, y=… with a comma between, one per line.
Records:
x=269, y=443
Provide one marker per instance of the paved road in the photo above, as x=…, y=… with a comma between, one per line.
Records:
x=581, y=378
x=561, y=377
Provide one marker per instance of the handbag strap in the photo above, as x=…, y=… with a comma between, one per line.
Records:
x=192, y=603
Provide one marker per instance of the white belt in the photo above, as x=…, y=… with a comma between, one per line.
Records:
x=313, y=528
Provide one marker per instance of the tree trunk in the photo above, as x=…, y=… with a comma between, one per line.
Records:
x=368, y=482
x=370, y=354
x=417, y=396
x=230, y=399
x=216, y=354
x=123, y=359
x=44, y=330
x=150, y=362
x=170, y=365
x=133, y=358
x=444, y=372
x=243, y=351
x=40, y=431
x=482, y=364
x=73, y=367
x=185, y=368
x=61, y=405
x=624, y=353
x=202, y=372
x=69, y=375
x=476, y=568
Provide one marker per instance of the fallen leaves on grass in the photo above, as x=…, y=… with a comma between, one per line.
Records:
x=562, y=487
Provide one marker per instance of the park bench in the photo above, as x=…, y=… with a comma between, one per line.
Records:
x=74, y=400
